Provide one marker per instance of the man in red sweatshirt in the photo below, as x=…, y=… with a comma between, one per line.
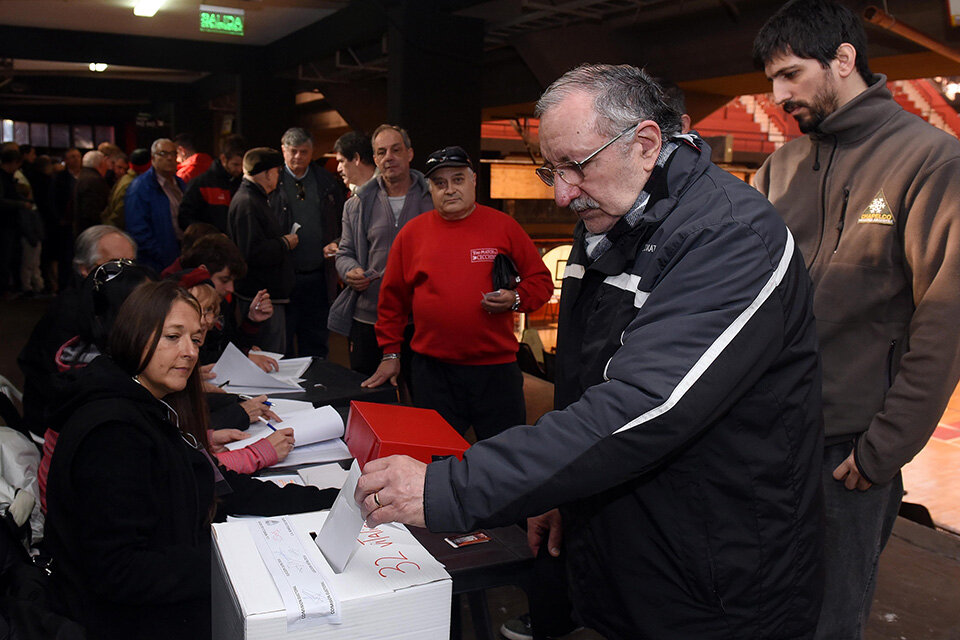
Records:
x=440, y=270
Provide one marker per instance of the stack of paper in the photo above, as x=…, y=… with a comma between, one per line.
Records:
x=238, y=374
x=316, y=432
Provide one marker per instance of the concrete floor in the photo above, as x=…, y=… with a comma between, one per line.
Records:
x=918, y=590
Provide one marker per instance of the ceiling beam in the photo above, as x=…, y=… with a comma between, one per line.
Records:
x=360, y=21
x=105, y=88
x=35, y=43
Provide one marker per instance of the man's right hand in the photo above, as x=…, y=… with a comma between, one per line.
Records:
x=388, y=370
x=292, y=240
x=550, y=525
x=356, y=280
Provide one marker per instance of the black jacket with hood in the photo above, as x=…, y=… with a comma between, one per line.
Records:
x=128, y=511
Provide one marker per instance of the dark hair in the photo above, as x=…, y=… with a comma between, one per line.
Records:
x=233, y=145
x=623, y=95
x=812, y=29
x=26, y=148
x=134, y=339
x=216, y=252
x=9, y=154
x=355, y=143
x=184, y=140
x=196, y=231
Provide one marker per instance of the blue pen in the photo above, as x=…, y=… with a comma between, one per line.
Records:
x=263, y=420
x=245, y=397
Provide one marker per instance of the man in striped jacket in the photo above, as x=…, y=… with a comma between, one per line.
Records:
x=682, y=463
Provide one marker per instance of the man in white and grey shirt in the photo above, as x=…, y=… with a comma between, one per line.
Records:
x=371, y=221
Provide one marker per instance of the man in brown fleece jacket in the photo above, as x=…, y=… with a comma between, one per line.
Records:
x=872, y=196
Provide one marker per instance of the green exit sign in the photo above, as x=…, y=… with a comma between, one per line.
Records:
x=221, y=20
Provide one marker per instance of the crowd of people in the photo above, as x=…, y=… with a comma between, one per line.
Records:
x=741, y=373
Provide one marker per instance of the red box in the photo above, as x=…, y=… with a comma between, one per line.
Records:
x=380, y=430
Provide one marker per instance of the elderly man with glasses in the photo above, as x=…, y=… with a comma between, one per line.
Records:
x=152, y=207
x=680, y=474
x=441, y=272
x=309, y=197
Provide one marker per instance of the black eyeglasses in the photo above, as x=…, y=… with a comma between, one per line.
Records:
x=301, y=192
x=165, y=154
x=109, y=270
x=572, y=172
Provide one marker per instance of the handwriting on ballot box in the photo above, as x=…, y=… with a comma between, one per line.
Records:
x=392, y=587
x=394, y=561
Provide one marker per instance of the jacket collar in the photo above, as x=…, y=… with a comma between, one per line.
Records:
x=862, y=116
x=253, y=187
x=375, y=184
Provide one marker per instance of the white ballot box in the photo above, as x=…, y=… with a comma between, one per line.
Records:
x=391, y=588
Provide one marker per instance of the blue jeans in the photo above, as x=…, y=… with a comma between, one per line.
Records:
x=858, y=525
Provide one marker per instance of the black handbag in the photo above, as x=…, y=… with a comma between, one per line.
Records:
x=505, y=274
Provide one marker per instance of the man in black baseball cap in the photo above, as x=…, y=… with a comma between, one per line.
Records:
x=446, y=157
x=266, y=247
x=440, y=269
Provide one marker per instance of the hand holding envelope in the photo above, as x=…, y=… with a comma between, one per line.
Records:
x=391, y=490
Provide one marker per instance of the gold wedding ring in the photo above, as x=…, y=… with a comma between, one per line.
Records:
x=376, y=498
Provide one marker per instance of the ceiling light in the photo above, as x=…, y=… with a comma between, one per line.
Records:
x=99, y=67
x=147, y=8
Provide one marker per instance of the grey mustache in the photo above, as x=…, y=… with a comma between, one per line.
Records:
x=583, y=203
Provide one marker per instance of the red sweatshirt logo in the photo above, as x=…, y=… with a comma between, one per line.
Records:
x=215, y=195
x=483, y=255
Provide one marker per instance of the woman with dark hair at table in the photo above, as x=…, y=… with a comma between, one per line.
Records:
x=130, y=494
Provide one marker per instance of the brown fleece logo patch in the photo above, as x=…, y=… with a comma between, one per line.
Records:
x=877, y=212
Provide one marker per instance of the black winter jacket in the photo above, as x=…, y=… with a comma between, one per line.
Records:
x=686, y=456
x=254, y=227
x=207, y=198
x=316, y=233
x=128, y=504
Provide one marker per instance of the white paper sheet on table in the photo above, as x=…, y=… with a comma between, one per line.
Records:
x=314, y=425
x=285, y=408
x=324, y=476
x=237, y=369
x=292, y=368
x=337, y=539
x=327, y=451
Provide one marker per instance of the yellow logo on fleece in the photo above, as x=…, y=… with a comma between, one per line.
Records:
x=877, y=212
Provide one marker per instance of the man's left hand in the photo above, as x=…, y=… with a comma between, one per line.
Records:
x=261, y=308
x=498, y=301
x=850, y=475
x=397, y=483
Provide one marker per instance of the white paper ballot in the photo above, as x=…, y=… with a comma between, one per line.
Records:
x=309, y=427
x=307, y=596
x=337, y=539
x=237, y=370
